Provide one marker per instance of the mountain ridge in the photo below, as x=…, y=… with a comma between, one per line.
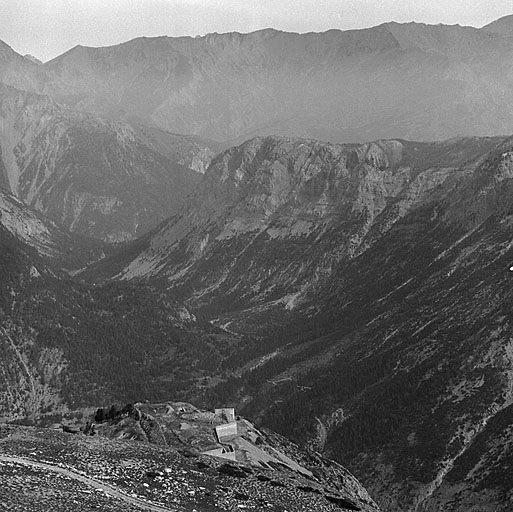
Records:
x=231, y=87
x=55, y=246
x=502, y=25
x=286, y=170
x=101, y=178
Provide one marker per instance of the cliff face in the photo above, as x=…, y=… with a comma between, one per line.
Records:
x=99, y=178
x=413, y=81
x=402, y=364
x=285, y=212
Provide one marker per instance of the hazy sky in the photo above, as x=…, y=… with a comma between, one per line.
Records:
x=47, y=28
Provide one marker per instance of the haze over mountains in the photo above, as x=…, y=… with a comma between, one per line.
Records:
x=354, y=295
x=414, y=81
x=409, y=81
x=100, y=178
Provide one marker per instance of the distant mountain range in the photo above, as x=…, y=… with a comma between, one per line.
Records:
x=413, y=81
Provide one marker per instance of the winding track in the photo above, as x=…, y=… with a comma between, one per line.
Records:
x=108, y=489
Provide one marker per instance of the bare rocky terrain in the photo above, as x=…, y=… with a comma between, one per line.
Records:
x=117, y=470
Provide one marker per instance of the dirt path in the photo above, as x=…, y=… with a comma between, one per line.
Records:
x=108, y=489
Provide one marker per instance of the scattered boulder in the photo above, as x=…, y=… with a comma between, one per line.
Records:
x=70, y=430
x=307, y=488
x=231, y=470
x=190, y=454
x=278, y=466
x=154, y=474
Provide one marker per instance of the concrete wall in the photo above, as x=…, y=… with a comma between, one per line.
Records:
x=216, y=452
x=228, y=429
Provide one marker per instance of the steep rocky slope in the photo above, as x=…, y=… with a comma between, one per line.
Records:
x=377, y=279
x=403, y=366
x=413, y=81
x=55, y=246
x=285, y=212
x=99, y=178
x=410, y=376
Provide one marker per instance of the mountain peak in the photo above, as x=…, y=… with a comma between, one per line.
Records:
x=503, y=25
x=32, y=59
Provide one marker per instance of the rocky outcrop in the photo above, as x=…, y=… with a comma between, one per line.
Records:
x=255, y=454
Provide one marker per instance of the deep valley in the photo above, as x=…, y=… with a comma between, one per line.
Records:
x=189, y=220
